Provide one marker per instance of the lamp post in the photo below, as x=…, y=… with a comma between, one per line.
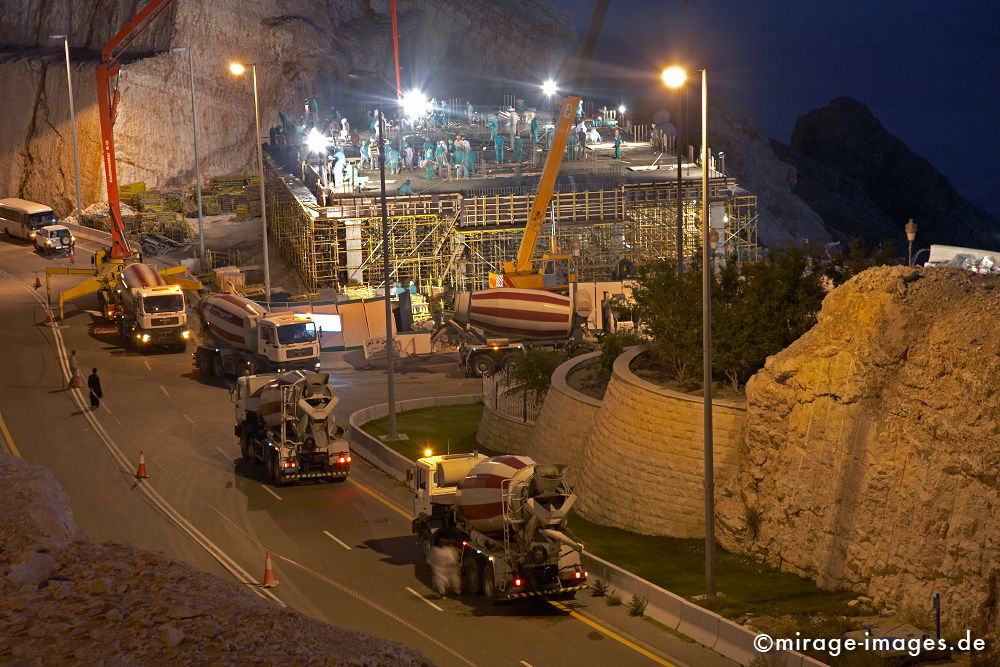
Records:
x=708, y=250
x=72, y=117
x=390, y=359
x=674, y=77
x=197, y=158
x=238, y=69
x=911, y=236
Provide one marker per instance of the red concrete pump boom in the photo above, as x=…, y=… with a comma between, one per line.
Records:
x=107, y=104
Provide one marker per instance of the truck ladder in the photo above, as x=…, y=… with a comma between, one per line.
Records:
x=507, y=488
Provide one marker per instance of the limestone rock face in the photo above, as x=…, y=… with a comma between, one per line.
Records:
x=303, y=49
x=871, y=457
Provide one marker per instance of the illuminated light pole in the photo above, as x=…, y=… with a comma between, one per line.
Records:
x=911, y=236
x=390, y=357
x=674, y=77
x=708, y=250
x=72, y=117
x=238, y=69
x=197, y=158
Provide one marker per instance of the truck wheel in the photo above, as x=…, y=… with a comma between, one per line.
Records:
x=204, y=365
x=276, y=470
x=489, y=584
x=245, y=446
x=472, y=575
x=426, y=542
x=483, y=365
x=217, y=367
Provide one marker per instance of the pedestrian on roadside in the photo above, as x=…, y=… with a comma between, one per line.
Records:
x=74, y=368
x=96, y=393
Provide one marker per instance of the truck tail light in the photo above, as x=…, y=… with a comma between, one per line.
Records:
x=578, y=575
x=342, y=459
x=517, y=581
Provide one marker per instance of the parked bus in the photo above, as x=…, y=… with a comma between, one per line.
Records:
x=23, y=219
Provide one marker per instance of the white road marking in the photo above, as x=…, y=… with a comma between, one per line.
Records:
x=162, y=467
x=148, y=367
x=190, y=421
x=424, y=599
x=268, y=489
x=526, y=664
x=164, y=390
x=224, y=454
x=336, y=540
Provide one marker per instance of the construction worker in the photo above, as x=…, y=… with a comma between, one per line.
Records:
x=518, y=148
x=494, y=127
x=431, y=165
x=470, y=162
x=405, y=189
x=571, y=146
x=468, y=110
x=96, y=393
x=74, y=369
x=498, y=146
x=534, y=130
x=366, y=153
x=618, y=145
x=392, y=155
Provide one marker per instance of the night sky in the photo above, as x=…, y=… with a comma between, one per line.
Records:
x=929, y=71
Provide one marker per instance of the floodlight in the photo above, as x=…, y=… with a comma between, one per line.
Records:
x=316, y=141
x=237, y=68
x=549, y=87
x=674, y=76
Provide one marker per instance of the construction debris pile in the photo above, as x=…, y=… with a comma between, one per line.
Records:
x=65, y=600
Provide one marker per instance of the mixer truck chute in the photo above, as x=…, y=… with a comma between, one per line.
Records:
x=507, y=518
x=286, y=422
x=241, y=337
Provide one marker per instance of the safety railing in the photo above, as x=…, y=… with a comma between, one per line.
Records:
x=514, y=405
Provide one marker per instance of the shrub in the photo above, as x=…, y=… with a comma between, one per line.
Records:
x=531, y=372
x=612, y=346
x=613, y=599
x=599, y=588
x=636, y=606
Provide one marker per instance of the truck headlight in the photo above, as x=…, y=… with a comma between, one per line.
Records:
x=185, y=334
x=145, y=338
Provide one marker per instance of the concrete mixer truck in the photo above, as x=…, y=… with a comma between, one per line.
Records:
x=507, y=518
x=493, y=324
x=149, y=311
x=286, y=422
x=240, y=337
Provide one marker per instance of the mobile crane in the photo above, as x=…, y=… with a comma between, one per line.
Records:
x=108, y=264
x=556, y=272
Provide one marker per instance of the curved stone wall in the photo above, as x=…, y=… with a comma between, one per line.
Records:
x=500, y=433
x=643, y=463
x=565, y=421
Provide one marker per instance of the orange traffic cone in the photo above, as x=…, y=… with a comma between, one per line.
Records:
x=49, y=322
x=72, y=256
x=141, y=472
x=269, y=580
x=38, y=283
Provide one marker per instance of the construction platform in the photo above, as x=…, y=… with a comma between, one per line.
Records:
x=608, y=213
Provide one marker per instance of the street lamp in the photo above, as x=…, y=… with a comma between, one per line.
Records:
x=911, y=236
x=708, y=250
x=674, y=77
x=72, y=116
x=238, y=69
x=197, y=158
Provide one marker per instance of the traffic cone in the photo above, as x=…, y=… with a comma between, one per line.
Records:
x=269, y=580
x=72, y=256
x=141, y=472
x=38, y=283
x=49, y=322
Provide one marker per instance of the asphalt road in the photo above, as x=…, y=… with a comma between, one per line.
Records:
x=343, y=553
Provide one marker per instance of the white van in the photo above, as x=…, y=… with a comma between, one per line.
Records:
x=54, y=238
x=23, y=219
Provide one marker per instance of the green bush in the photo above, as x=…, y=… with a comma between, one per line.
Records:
x=613, y=599
x=531, y=372
x=599, y=588
x=636, y=606
x=612, y=346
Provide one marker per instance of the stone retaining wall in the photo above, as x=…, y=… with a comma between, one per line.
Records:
x=643, y=465
x=565, y=421
x=500, y=433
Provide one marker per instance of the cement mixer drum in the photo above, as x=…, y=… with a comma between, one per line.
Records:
x=480, y=497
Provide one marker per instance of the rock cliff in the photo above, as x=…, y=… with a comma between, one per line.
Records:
x=871, y=452
x=333, y=51
x=864, y=182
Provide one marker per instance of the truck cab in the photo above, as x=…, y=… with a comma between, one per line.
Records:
x=434, y=480
x=285, y=339
x=154, y=316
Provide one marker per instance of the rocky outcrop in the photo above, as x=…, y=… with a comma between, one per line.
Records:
x=865, y=183
x=871, y=453
x=783, y=217
x=64, y=600
x=337, y=52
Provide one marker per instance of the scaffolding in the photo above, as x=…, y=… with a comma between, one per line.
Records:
x=456, y=240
